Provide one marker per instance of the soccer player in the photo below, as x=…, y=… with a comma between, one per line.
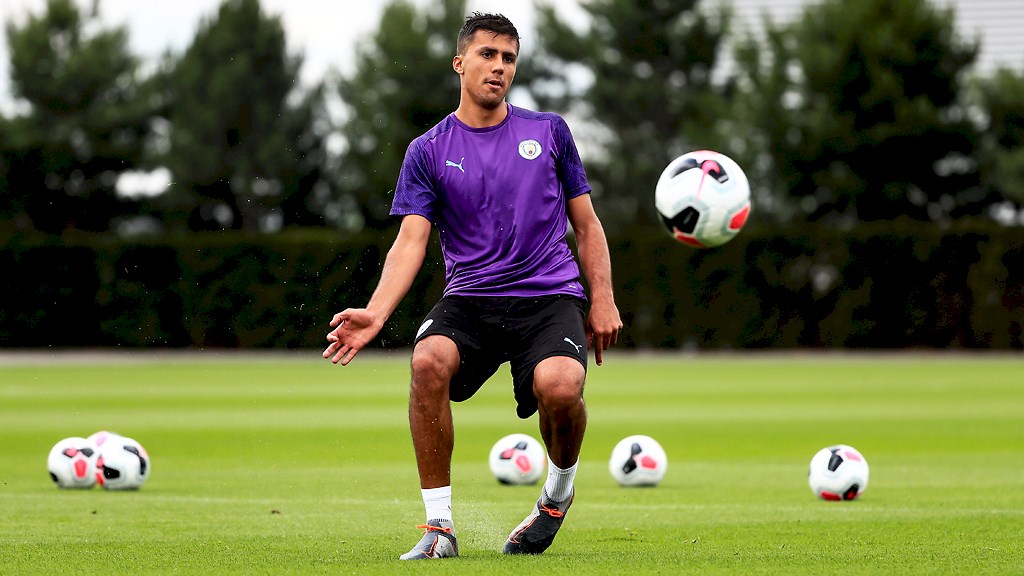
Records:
x=501, y=184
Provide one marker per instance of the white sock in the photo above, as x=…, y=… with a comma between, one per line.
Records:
x=438, y=502
x=559, y=483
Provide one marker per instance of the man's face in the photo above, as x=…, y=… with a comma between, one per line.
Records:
x=487, y=67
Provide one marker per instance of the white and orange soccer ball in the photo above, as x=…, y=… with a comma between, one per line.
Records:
x=72, y=463
x=703, y=198
x=838, y=472
x=518, y=459
x=638, y=461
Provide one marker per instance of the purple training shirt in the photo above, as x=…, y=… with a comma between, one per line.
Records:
x=497, y=196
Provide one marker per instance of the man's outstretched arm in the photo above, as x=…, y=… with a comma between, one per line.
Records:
x=354, y=328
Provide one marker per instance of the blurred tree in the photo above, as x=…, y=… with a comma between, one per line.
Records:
x=403, y=84
x=305, y=181
x=1001, y=146
x=855, y=112
x=243, y=141
x=641, y=70
x=87, y=112
x=12, y=206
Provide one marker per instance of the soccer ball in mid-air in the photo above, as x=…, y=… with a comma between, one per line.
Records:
x=638, y=461
x=123, y=464
x=703, y=198
x=518, y=459
x=838, y=472
x=72, y=463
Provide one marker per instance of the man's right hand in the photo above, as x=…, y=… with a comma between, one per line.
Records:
x=353, y=329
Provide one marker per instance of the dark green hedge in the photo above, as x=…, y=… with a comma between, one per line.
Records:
x=886, y=285
x=877, y=286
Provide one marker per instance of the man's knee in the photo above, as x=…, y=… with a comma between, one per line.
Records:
x=558, y=383
x=434, y=361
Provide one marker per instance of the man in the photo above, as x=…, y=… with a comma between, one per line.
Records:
x=500, y=184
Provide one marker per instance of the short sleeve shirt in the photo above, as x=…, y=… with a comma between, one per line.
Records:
x=498, y=198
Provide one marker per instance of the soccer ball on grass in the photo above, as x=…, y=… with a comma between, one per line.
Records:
x=100, y=438
x=72, y=463
x=703, y=198
x=638, y=461
x=838, y=472
x=518, y=459
x=123, y=464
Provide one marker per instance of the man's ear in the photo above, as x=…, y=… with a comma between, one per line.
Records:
x=457, y=64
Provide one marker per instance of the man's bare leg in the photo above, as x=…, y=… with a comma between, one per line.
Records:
x=435, y=361
x=558, y=386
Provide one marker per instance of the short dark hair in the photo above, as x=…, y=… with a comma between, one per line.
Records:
x=497, y=24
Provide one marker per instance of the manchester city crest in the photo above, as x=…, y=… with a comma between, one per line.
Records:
x=529, y=149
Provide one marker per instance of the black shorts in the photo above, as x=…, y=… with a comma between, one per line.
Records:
x=490, y=331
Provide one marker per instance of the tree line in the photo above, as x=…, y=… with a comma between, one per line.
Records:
x=856, y=110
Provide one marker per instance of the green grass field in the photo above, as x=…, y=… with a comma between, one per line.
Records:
x=290, y=465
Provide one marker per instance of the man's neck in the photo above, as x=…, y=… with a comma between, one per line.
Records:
x=479, y=117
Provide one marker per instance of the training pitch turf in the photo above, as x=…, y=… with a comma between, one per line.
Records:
x=290, y=465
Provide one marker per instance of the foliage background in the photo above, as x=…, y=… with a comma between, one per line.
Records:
x=886, y=174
